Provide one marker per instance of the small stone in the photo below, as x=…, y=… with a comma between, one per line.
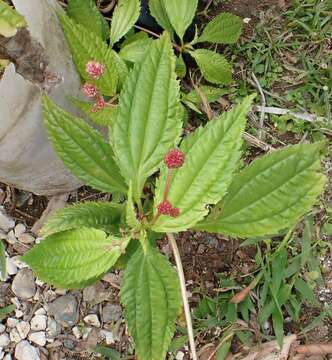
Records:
x=26, y=238
x=2, y=328
x=179, y=355
x=6, y=222
x=40, y=311
x=23, y=285
x=14, y=335
x=77, y=332
x=112, y=312
x=4, y=340
x=7, y=357
x=19, y=229
x=19, y=313
x=108, y=336
x=23, y=329
x=92, y=320
x=25, y=351
x=38, y=338
x=53, y=328
x=11, y=267
x=11, y=238
x=12, y=322
x=39, y=322
x=95, y=294
x=69, y=344
x=2, y=354
x=64, y=309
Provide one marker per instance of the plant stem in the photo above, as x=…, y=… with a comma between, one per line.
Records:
x=185, y=301
x=168, y=183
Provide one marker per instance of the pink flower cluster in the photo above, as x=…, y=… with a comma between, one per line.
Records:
x=166, y=208
x=95, y=69
x=174, y=159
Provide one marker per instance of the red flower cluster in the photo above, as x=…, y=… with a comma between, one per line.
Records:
x=99, y=105
x=166, y=208
x=90, y=90
x=95, y=69
x=174, y=159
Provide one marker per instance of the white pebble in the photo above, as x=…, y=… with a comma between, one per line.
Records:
x=26, y=238
x=77, y=332
x=86, y=332
x=92, y=320
x=23, y=329
x=4, y=340
x=19, y=229
x=25, y=351
x=15, y=336
x=11, y=267
x=19, y=263
x=11, y=238
x=2, y=354
x=180, y=355
x=7, y=357
x=40, y=311
x=2, y=328
x=39, y=322
x=108, y=336
x=11, y=322
x=19, y=313
x=39, y=282
x=38, y=338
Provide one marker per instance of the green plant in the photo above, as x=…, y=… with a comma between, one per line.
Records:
x=84, y=241
x=119, y=47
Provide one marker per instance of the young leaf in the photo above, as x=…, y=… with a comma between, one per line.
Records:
x=10, y=20
x=124, y=18
x=131, y=218
x=150, y=295
x=278, y=326
x=180, y=67
x=103, y=117
x=121, y=69
x=72, y=258
x=135, y=49
x=180, y=14
x=85, y=46
x=271, y=194
x=86, y=13
x=211, y=94
x=3, y=270
x=100, y=215
x=147, y=126
x=158, y=11
x=214, y=67
x=225, y=28
x=307, y=293
x=211, y=157
x=82, y=149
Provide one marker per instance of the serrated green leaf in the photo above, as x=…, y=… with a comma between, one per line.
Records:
x=147, y=126
x=214, y=67
x=136, y=48
x=225, y=28
x=150, y=294
x=103, y=117
x=86, y=13
x=180, y=14
x=211, y=93
x=100, y=215
x=211, y=156
x=68, y=259
x=82, y=149
x=85, y=46
x=180, y=67
x=271, y=194
x=10, y=20
x=124, y=18
x=3, y=269
x=307, y=293
x=121, y=69
x=131, y=218
x=158, y=11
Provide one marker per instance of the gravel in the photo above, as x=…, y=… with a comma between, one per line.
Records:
x=23, y=285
